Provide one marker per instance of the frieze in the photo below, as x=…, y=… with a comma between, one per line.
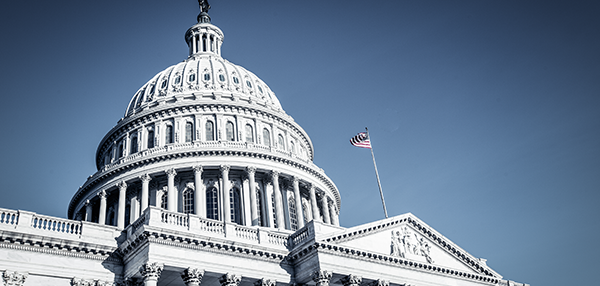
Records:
x=406, y=243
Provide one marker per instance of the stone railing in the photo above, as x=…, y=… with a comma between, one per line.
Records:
x=9, y=217
x=53, y=224
x=301, y=235
x=163, y=219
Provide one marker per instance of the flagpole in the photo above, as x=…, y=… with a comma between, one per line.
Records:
x=377, y=174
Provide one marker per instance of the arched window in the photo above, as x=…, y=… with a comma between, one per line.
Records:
x=188, y=201
x=150, y=139
x=274, y=210
x=121, y=149
x=212, y=204
x=249, y=134
x=259, y=207
x=189, y=133
x=134, y=145
x=293, y=147
x=280, y=142
x=266, y=137
x=209, y=128
x=293, y=215
x=235, y=205
x=229, y=133
x=169, y=135
x=164, y=200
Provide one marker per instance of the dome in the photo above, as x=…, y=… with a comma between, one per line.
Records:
x=203, y=76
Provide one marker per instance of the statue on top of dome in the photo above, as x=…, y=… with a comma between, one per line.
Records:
x=204, y=6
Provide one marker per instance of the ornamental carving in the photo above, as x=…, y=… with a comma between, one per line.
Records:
x=380, y=282
x=265, y=282
x=122, y=185
x=351, y=280
x=192, y=275
x=82, y=282
x=229, y=279
x=406, y=243
x=104, y=283
x=225, y=168
x=322, y=277
x=14, y=278
x=197, y=169
x=171, y=172
x=251, y=170
x=145, y=178
x=151, y=270
x=102, y=194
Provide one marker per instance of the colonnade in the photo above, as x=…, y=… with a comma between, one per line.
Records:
x=261, y=197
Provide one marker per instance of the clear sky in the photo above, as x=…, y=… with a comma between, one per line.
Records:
x=484, y=115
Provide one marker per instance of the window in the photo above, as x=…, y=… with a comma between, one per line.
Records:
x=177, y=79
x=189, y=127
x=280, y=142
x=235, y=205
x=236, y=80
x=206, y=77
x=192, y=77
x=293, y=147
x=169, y=135
x=150, y=139
x=221, y=77
x=293, y=215
x=134, y=145
x=188, y=201
x=121, y=150
x=209, y=129
x=212, y=204
x=266, y=137
x=164, y=200
x=274, y=210
x=260, y=89
x=249, y=84
x=249, y=134
x=163, y=84
x=152, y=89
x=127, y=214
x=229, y=131
x=259, y=207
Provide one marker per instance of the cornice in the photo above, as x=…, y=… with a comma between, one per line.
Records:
x=320, y=247
x=183, y=153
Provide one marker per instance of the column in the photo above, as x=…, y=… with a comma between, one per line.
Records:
x=150, y=273
x=334, y=215
x=225, y=192
x=322, y=277
x=88, y=211
x=268, y=205
x=199, y=195
x=171, y=195
x=313, y=203
x=325, y=204
x=251, y=171
x=351, y=280
x=121, y=208
x=278, y=202
x=192, y=276
x=145, y=182
x=133, y=211
x=102, y=212
x=230, y=279
x=309, y=214
x=299, y=212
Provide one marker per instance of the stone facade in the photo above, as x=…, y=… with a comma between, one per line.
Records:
x=206, y=180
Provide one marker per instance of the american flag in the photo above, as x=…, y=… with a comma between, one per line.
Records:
x=361, y=140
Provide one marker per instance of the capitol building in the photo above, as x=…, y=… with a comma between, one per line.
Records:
x=207, y=181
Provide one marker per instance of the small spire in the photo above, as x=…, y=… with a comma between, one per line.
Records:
x=204, y=7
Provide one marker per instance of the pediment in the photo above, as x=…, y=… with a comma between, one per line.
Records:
x=408, y=238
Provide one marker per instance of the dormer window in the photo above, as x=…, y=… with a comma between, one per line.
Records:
x=236, y=80
x=221, y=77
x=206, y=76
x=192, y=77
x=178, y=80
x=249, y=84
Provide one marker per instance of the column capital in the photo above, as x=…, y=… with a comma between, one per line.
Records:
x=295, y=179
x=151, y=270
x=351, y=280
x=14, y=278
x=250, y=170
x=192, y=275
x=102, y=194
x=87, y=203
x=225, y=168
x=171, y=172
x=229, y=279
x=380, y=282
x=322, y=277
x=122, y=185
x=265, y=282
x=198, y=169
x=275, y=175
x=145, y=178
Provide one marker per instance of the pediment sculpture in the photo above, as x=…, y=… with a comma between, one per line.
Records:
x=406, y=243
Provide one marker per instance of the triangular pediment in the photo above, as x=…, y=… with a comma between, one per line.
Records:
x=408, y=238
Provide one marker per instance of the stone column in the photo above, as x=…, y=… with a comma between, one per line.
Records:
x=145, y=182
x=121, y=208
x=225, y=192
x=14, y=278
x=151, y=272
x=313, y=203
x=351, y=280
x=278, y=202
x=265, y=282
x=199, y=194
x=133, y=211
x=230, y=279
x=102, y=212
x=299, y=212
x=88, y=211
x=309, y=214
x=325, y=204
x=251, y=171
x=334, y=215
x=322, y=277
x=192, y=276
x=171, y=194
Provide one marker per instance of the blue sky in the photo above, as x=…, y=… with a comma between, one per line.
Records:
x=484, y=115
